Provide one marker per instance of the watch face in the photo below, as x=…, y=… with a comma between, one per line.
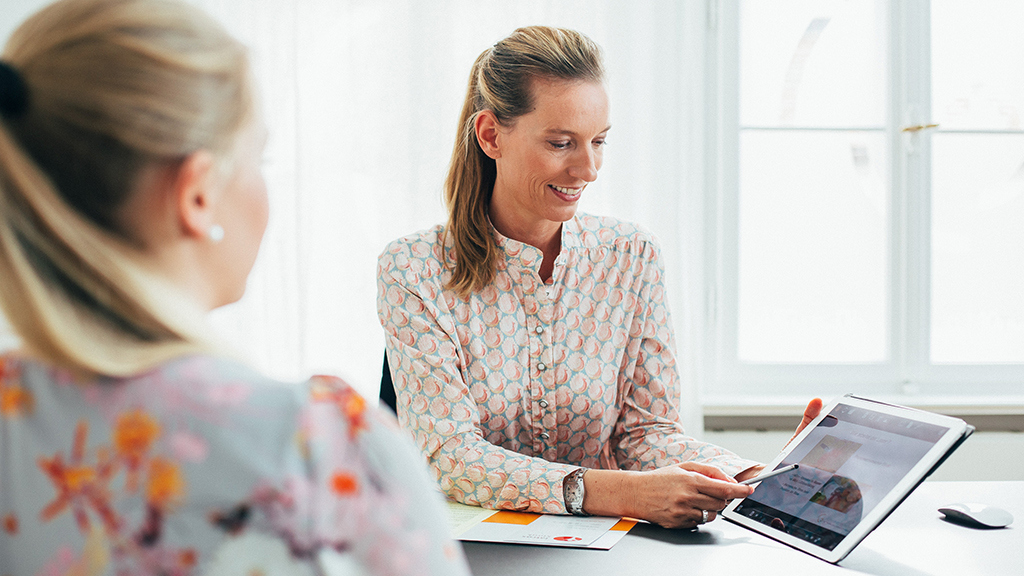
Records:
x=575, y=496
x=575, y=503
x=574, y=493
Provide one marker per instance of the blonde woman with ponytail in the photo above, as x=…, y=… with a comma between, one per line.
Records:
x=530, y=345
x=131, y=442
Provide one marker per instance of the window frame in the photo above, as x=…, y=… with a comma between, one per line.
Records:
x=908, y=375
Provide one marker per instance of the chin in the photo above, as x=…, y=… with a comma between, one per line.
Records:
x=564, y=214
x=226, y=299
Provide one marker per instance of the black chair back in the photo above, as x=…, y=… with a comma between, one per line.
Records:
x=387, y=387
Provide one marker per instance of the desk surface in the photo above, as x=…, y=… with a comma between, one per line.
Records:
x=913, y=541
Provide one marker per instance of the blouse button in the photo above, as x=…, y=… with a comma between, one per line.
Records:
x=540, y=329
x=541, y=367
x=543, y=403
x=544, y=435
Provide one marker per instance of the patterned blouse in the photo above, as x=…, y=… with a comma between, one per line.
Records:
x=509, y=390
x=205, y=467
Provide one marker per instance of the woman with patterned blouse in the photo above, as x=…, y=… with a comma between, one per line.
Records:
x=131, y=204
x=531, y=347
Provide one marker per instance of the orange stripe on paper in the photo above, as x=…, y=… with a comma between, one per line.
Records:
x=509, y=517
x=624, y=525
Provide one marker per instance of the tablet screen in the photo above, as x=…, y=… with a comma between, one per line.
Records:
x=848, y=463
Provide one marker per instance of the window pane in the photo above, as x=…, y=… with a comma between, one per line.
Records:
x=977, y=248
x=978, y=64
x=813, y=63
x=813, y=247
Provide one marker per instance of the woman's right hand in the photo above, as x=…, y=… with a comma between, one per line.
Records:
x=673, y=496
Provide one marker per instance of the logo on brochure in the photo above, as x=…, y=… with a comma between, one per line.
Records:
x=568, y=538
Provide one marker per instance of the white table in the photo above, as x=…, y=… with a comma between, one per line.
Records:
x=913, y=541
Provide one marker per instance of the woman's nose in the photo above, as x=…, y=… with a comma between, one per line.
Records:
x=585, y=166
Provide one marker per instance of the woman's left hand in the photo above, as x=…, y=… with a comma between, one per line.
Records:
x=810, y=413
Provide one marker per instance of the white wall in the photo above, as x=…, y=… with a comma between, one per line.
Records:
x=984, y=456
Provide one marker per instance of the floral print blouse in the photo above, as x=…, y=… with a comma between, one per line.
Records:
x=204, y=467
x=512, y=388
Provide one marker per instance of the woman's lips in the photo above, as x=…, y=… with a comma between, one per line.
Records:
x=565, y=193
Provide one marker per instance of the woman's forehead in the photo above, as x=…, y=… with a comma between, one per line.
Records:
x=569, y=106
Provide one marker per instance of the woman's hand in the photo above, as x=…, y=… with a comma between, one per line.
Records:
x=673, y=496
x=810, y=413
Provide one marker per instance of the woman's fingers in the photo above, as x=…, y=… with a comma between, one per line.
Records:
x=676, y=496
x=716, y=484
x=708, y=503
x=695, y=517
x=707, y=470
x=810, y=413
x=721, y=490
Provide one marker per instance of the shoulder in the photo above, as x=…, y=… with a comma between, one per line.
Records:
x=227, y=374
x=265, y=410
x=418, y=245
x=217, y=381
x=198, y=375
x=217, y=372
x=201, y=387
x=620, y=235
x=415, y=257
x=254, y=413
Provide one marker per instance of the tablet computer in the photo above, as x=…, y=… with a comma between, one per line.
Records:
x=857, y=461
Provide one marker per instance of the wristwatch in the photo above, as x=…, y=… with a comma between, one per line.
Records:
x=572, y=491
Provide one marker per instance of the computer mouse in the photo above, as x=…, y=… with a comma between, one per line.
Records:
x=977, y=515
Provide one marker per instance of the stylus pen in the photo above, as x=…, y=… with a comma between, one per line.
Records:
x=768, y=475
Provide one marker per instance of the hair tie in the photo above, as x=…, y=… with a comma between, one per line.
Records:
x=13, y=92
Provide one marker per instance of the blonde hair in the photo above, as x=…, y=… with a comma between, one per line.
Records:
x=500, y=81
x=113, y=87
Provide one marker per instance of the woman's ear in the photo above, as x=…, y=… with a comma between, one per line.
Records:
x=487, y=130
x=195, y=194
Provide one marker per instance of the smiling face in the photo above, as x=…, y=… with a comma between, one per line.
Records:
x=546, y=158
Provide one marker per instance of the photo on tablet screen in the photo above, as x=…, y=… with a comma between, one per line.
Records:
x=849, y=462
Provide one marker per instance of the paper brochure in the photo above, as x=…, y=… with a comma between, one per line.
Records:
x=472, y=523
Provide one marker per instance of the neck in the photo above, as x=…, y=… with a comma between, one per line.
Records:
x=545, y=236
x=178, y=265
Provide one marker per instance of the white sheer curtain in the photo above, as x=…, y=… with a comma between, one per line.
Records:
x=362, y=98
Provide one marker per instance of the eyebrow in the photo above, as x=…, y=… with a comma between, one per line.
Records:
x=572, y=133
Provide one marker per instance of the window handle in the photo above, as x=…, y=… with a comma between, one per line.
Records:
x=919, y=127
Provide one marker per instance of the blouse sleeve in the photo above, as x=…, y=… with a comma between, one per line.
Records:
x=367, y=491
x=434, y=403
x=648, y=433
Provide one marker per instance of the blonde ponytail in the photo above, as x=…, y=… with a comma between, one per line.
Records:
x=113, y=86
x=467, y=194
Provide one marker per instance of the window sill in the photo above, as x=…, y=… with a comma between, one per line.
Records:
x=988, y=414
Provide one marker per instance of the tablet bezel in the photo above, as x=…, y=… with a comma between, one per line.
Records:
x=957, y=429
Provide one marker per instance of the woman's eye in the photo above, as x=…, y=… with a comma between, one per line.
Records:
x=559, y=145
x=599, y=143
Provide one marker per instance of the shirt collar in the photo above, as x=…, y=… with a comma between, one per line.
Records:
x=524, y=255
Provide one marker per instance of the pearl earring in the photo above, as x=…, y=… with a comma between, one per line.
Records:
x=215, y=233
